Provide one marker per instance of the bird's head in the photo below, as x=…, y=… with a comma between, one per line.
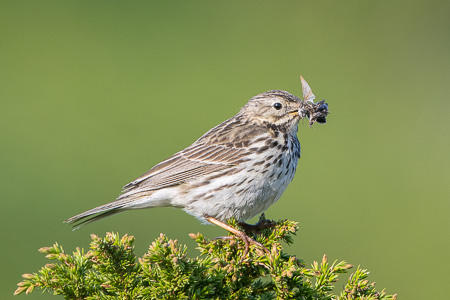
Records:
x=275, y=108
x=281, y=109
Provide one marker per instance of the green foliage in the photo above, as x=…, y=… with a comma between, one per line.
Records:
x=111, y=270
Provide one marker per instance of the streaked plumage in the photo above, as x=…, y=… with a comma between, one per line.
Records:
x=237, y=169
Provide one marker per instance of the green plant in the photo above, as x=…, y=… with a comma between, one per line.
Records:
x=111, y=270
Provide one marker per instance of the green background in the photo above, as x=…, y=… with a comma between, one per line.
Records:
x=94, y=93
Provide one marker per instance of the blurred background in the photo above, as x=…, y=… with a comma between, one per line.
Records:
x=95, y=93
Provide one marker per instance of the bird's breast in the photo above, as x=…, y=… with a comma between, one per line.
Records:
x=249, y=188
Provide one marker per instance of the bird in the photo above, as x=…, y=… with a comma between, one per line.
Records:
x=237, y=169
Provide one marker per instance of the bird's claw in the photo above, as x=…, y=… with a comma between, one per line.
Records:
x=239, y=234
x=247, y=242
x=256, y=228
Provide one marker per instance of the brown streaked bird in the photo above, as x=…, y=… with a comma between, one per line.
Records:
x=237, y=169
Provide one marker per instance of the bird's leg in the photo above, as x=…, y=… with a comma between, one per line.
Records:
x=245, y=238
x=263, y=223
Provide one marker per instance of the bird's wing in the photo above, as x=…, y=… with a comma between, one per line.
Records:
x=197, y=160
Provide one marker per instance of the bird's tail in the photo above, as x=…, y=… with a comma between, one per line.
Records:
x=98, y=213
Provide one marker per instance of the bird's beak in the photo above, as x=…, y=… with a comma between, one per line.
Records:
x=294, y=112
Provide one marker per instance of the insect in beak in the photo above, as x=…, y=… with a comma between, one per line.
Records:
x=315, y=112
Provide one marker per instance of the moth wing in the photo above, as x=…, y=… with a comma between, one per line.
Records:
x=307, y=92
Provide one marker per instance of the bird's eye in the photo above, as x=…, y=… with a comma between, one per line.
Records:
x=277, y=105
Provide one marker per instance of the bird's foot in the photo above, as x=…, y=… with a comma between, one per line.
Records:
x=263, y=223
x=239, y=234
